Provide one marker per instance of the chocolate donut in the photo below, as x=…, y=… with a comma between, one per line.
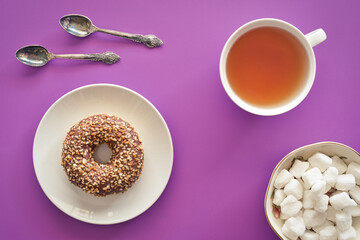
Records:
x=124, y=166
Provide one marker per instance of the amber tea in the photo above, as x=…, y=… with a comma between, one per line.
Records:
x=267, y=66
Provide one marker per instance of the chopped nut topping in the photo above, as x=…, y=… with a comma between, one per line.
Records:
x=125, y=165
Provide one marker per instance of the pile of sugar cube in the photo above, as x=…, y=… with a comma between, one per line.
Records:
x=318, y=198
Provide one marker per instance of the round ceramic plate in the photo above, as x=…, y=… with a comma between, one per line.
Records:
x=112, y=100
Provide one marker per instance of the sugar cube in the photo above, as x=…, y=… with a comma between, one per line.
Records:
x=341, y=200
x=322, y=226
x=283, y=178
x=328, y=233
x=301, y=182
x=293, y=227
x=294, y=188
x=331, y=213
x=330, y=176
x=313, y=218
x=355, y=194
x=354, y=169
x=349, y=234
x=284, y=216
x=318, y=189
x=327, y=188
x=320, y=161
x=305, y=187
x=339, y=164
x=279, y=196
x=335, y=193
x=354, y=211
x=310, y=177
x=345, y=182
x=298, y=168
x=290, y=206
x=308, y=200
x=309, y=235
x=343, y=220
x=321, y=204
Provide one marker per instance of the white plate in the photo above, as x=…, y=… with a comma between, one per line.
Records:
x=113, y=100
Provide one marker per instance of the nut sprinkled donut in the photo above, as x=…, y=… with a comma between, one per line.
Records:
x=125, y=164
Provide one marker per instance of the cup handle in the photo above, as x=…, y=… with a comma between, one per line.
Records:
x=316, y=37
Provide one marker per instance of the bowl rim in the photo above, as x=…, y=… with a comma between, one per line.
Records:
x=282, y=160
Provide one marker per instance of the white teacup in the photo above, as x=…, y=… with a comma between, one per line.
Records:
x=308, y=41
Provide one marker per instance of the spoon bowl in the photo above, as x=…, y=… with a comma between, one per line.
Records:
x=77, y=25
x=34, y=55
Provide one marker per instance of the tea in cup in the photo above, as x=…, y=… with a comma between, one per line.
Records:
x=267, y=66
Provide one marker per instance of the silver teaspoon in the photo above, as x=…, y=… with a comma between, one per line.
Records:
x=81, y=26
x=38, y=56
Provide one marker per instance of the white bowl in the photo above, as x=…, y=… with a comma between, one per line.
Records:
x=328, y=148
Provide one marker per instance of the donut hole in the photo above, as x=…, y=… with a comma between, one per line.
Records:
x=103, y=153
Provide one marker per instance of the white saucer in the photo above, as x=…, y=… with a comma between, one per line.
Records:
x=112, y=100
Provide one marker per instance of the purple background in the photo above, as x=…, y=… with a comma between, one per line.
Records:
x=223, y=156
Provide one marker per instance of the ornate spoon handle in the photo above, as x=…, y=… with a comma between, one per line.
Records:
x=149, y=40
x=107, y=57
